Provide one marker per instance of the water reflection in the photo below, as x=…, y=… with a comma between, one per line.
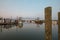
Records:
x=19, y=26
x=9, y=26
x=26, y=31
x=38, y=25
x=0, y=28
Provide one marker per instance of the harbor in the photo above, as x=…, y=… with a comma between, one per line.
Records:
x=29, y=19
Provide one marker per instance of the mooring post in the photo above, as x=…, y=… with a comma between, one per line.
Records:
x=48, y=23
x=58, y=25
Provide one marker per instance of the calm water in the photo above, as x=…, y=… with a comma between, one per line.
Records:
x=28, y=31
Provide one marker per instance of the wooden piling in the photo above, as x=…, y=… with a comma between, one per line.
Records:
x=48, y=23
x=58, y=25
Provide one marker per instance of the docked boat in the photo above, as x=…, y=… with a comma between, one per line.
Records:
x=20, y=23
x=37, y=21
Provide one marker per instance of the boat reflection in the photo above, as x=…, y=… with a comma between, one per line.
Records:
x=38, y=25
x=9, y=26
x=0, y=28
x=19, y=25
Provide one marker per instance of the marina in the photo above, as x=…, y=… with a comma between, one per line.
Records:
x=29, y=20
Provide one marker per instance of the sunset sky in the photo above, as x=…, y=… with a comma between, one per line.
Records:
x=28, y=8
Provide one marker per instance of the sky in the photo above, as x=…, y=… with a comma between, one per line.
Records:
x=28, y=8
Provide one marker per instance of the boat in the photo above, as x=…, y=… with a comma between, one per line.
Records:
x=20, y=23
x=37, y=21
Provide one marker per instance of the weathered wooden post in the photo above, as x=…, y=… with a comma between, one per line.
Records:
x=58, y=25
x=48, y=23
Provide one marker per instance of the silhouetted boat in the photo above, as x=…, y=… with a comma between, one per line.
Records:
x=38, y=22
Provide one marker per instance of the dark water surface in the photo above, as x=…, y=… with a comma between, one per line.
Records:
x=28, y=31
